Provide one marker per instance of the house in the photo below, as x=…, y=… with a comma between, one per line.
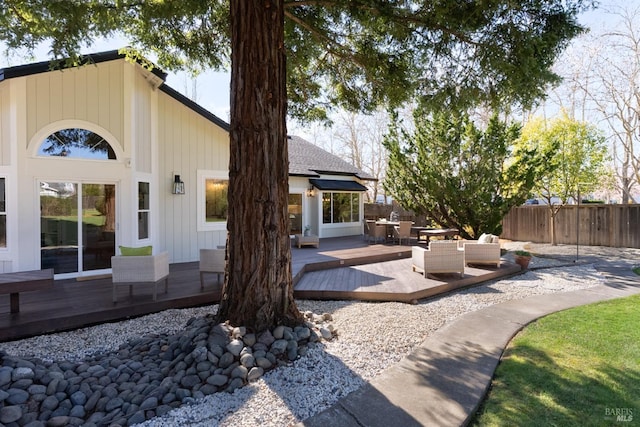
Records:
x=106, y=154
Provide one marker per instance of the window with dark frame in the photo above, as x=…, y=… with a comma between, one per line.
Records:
x=143, y=210
x=3, y=214
x=340, y=207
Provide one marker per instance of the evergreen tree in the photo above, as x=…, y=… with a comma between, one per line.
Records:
x=458, y=175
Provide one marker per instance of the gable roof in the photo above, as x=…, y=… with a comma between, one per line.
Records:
x=305, y=158
x=113, y=55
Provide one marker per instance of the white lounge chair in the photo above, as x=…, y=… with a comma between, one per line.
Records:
x=212, y=261
x=440, y=257
x=137, y=270
x=482, y=251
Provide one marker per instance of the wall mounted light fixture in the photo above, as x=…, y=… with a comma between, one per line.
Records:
x=178, y=185
x=311, y=191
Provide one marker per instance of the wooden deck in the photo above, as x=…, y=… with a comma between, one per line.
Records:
x=341, y=268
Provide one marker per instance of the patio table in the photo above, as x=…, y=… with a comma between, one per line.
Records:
x=445, y=232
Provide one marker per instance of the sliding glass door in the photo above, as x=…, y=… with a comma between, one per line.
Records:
x=77, y=226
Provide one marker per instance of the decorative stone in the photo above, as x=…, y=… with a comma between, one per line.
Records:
x=278, y=332
x=17, y=396
x=235, y=347
x=190, y=381
x=239, y=332
x=240, y=372
x=247, y=360
x=255, y=373
x=217, y=380
x=326, y=334
x=278, y=347
x=22, y=373
x=226, y=360
x=266, y=338
x=145, y=377
x=149, y=403
x=302, y=333
x=10, y=414
x=249, y=339
x=264, y=363
x=113, y=404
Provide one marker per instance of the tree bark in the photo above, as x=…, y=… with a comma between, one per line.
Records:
x=258, y=288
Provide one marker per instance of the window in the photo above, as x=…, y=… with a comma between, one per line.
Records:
x=340, y=207
x=76, y=144
x=295, y=213
x=143, y=210
x=216, y=203
x=212, y=204
x=3, y=215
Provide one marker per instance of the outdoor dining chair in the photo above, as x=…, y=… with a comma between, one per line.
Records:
x=378, y=232
x=402, y=231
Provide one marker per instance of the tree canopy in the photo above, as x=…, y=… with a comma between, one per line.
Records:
x=459, y=175
x=578, y=165
x=579, y=161
x=342, y=53
x=355, y=54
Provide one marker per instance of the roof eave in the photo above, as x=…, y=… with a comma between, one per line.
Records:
x=91, y=58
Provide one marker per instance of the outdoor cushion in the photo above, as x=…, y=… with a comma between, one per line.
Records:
x=141, y=251
x=485, y=238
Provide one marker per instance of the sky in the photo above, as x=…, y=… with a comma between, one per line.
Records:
x=212, y=88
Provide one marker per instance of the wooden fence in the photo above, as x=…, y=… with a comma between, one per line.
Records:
x=594, y=225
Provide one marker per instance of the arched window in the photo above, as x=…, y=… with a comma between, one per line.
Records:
x=76, y=144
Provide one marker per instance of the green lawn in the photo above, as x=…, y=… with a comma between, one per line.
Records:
x=579, y=367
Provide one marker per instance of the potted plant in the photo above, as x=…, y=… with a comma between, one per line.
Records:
x=522, y=258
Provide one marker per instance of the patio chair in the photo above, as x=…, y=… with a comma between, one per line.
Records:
x=212, y=261
x=134, y=270
x=366, y=229
x=378, y=231
x=369, y=229
x=482, y=251
x=403, y=231
x=441, y=257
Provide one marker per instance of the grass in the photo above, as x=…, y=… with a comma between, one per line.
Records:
x=636, y=270
x=576, y=367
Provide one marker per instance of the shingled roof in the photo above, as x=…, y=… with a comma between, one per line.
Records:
x=306, y=159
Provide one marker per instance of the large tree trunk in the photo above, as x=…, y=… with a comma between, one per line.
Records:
x=258, y=289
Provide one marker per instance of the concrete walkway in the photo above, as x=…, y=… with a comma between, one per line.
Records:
x=444, y=381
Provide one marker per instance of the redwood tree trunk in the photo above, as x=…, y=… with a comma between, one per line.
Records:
x=258, y=289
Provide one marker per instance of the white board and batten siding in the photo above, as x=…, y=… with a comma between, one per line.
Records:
x=190, y=146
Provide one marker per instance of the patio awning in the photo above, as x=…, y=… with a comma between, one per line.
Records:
x=337, y=185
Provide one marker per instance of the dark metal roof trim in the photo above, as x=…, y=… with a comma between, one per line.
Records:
x=337, y=185
x=45, y=66
x=194, y=106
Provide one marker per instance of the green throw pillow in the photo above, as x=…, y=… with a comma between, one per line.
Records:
x=144, y=250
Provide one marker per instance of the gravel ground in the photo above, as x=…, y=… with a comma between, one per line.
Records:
x=371, y=338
